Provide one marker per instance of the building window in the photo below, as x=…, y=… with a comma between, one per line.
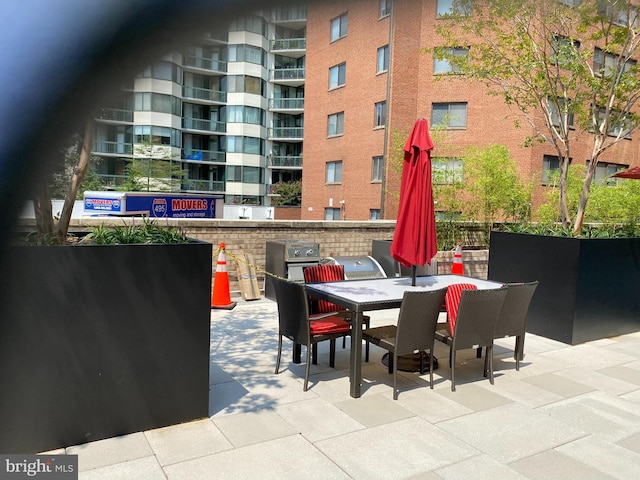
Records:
x=377, y=168
x=563, y=50
x=374, y=214
x=572, y=3
x=252, y=24
x=446, y=171
x=247, y=53
x=335, y=124
x=604, y=170
x=619, y=123
x=238, y=173
x=245, y=84
x=157, y=135
x=385, y=7
x=550, y=168
x=450, y=115
x=619, y=14
x=339, y=27
x=238, y=144
x=446, y=7
x=157, y=102
x=332, y=214
x=334, y=172
x=383, y=59
x=554, y=112
x=244, y=114
x=605, y=63
x=380, y=117
x=442, y=65
x=337, y=75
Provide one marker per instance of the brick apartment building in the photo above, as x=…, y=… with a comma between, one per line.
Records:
x=405, y=88
x=317, y=92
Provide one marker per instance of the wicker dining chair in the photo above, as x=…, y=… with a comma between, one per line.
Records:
x=512, y=321
x=331, y=273
x=415, y=331
x=294, y=323
x=475, y=323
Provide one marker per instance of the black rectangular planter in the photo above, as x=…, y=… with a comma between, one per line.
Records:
x=98, y=341
x=588, y=287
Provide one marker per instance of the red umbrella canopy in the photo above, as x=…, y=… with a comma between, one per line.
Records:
x=414, y=240
x=631, y=173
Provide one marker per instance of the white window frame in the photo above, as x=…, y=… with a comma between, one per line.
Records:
x=383, y=59
x=335, y=124
x=455, y=117
x=333, y=172
x=339, y=27
x=337, y=76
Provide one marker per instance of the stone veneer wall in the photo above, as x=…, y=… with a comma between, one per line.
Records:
x=337, y=238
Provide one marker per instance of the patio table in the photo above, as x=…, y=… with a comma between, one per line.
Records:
x=360, y=296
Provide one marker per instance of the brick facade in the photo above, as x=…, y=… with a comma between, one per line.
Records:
x=413, y=89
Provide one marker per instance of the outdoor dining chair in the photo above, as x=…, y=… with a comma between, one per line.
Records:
x=331, y=273
x=512, y=321
x=415, y=331
x=474, y=326
x=294, y=323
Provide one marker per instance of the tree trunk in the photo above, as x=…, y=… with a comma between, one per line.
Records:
x=76, y=180
x=565, y=216
x=42, y=209
x=586, y=187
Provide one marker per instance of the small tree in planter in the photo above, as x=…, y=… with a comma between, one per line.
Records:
x=568, y=70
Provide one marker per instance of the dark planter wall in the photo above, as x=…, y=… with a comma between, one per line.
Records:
x=588, y=287
x=99, y=341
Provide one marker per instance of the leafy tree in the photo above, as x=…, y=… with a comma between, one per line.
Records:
x=290, y=193
x=538, y=55
x=614, y=205
x=492, y=181
x=152, y=169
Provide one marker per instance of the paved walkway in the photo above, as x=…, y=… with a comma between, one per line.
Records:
x=571, y=412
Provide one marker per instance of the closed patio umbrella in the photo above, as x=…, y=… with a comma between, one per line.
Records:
x=414, y=240
x=631, y=173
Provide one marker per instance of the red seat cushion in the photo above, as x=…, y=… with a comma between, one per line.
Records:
x=452, y=301
x=326, y=325
x=324, y=273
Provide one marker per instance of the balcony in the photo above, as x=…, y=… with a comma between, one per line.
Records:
x=204, y=125
x=112, y=148
x=291, y=47
x=288, y=76
x=293, y=13
x=287, y=104
x=203, y=156
x=205, y=63
x=285, y=161
x=112, y=181
x=202, y=186
x=286, y=133
x=115, y=115
x=205, y=94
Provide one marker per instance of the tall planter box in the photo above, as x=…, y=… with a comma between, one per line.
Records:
x=98, y=341
x=588, y=287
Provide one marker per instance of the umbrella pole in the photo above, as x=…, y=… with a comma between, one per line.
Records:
x=413, y=275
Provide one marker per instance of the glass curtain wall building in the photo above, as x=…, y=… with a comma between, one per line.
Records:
x=223, y=116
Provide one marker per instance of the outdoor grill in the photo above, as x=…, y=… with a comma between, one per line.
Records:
x=359, y=267
x=287, y=259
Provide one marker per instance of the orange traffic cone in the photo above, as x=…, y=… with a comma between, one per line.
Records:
x=221, y=296
x=457, y=267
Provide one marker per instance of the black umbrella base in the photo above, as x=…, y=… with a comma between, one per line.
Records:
x=410, y=363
